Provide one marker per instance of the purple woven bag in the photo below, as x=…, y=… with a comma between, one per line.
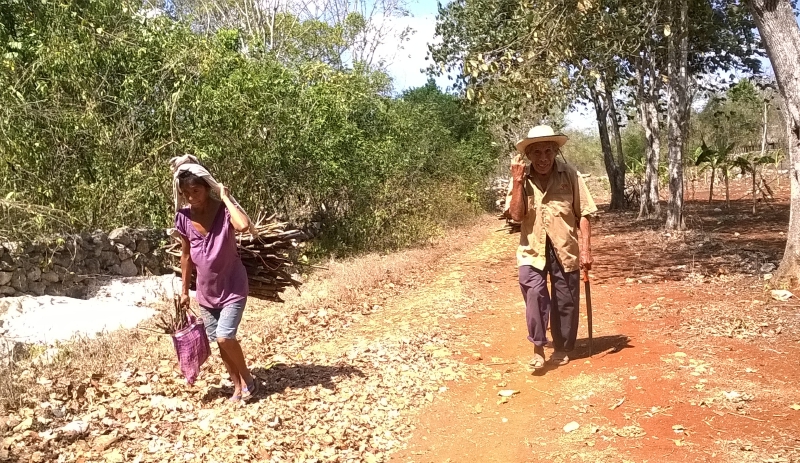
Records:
x=191, y=344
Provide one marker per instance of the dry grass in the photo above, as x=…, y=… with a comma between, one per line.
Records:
x=10, y=390
x=24, y=382
x=746, y=451
x=22, y=374
x=341, y=286
x=757, y=319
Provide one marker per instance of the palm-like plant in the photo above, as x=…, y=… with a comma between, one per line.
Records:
x=749, y=162
x=716, y=160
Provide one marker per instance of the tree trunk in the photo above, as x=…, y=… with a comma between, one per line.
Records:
x=781, y=35
x=644, y=196
x=678, y=49
x=654, y=141
x=617, y=187
x=711, y=186
x=753, y=167
x=727, y=187
x=763, y=152
x=652, y=97
x=615, y=134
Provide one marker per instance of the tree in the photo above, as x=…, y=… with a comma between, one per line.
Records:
x=778, y=27
x=648, y=95
x=613, y=155
x=677, y=107
x=345, y=31
x=588, y=51
x=542, y=55
x=96, y=96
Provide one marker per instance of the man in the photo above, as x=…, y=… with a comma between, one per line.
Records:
x=551, y=201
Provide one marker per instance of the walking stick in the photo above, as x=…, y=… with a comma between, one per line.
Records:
x=588, y=290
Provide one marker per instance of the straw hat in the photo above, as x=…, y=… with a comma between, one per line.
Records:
x=539, y=134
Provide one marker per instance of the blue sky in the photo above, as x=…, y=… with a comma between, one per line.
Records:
x=423, y=7
x=405, y=63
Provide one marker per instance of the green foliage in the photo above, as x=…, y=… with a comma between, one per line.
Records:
x=583, y=151
x=748, y=163
x=634, y=145
x=731, y=117
x=736, y=117
x=712, y=158
x=546, y=54
x=95, y=98
x=715, y=160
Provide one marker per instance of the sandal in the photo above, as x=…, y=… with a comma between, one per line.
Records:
x=559, y=358
x=537, y=362
x=235, y=398
x=248, y=392
x=538, y=358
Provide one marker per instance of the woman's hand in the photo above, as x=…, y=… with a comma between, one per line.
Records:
x=224, y=193
x=239, y=219
x=184, y=301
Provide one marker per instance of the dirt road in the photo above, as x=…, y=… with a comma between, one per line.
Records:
x=694, y=361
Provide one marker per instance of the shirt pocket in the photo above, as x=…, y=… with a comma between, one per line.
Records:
x=561, y=203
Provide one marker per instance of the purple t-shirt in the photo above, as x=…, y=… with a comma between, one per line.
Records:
x=221, y=276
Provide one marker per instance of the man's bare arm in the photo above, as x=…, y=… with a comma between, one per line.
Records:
x=518, y=206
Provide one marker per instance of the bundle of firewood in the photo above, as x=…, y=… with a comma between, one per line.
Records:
x=266, y=256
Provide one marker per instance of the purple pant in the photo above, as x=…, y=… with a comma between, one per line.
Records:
x=560, y=306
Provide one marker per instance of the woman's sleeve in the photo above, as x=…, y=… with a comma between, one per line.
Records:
x=180, y=223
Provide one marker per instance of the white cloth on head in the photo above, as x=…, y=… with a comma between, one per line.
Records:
x=189, y=163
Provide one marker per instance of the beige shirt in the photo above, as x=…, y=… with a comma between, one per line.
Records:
x=555, y=213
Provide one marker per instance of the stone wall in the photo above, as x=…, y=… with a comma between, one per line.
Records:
x=67, y=266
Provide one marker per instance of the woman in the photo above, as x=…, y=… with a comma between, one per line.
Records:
x=208, y=245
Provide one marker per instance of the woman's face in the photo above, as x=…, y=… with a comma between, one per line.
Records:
x=195, y=194
x=542, y=156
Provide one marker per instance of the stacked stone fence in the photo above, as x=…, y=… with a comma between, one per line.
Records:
x=69, y=265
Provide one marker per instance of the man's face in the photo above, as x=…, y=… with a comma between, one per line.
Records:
x=542, y=156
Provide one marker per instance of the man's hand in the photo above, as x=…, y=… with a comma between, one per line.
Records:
x=184, y=301
x=586, y=260
x=518, y=170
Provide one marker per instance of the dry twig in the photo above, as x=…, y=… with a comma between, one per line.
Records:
x=172, y=322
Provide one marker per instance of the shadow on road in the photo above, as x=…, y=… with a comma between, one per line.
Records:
x=603, y=345
x=280, y=377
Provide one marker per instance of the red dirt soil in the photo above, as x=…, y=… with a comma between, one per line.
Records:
x=693, y=360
